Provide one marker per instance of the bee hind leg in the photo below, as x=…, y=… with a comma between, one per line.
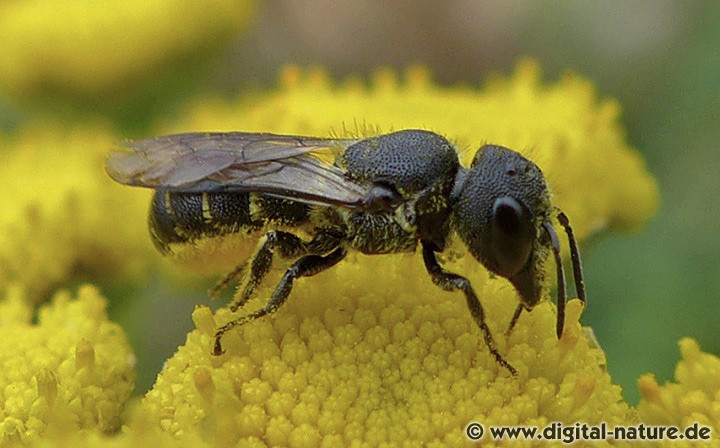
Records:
x=306, y=266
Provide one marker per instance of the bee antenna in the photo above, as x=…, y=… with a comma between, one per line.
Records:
x=562, y=295
x=574, y=256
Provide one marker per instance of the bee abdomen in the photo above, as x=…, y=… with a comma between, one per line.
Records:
x=180, y=217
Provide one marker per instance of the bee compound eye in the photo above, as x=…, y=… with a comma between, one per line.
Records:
x=508, y=215
x=512, y=236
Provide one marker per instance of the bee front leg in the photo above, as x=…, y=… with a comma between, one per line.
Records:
x=514, y=320
x=452, y=282
x=306, y=266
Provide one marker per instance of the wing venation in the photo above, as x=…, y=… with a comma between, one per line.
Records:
x=281, y=165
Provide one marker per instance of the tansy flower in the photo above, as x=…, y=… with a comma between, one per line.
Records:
x=71, y=371
x=576, y=139
x=111, y=53
x=62, y=216
x=694, y=397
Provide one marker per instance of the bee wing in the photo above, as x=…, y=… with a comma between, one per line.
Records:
x=280, y=165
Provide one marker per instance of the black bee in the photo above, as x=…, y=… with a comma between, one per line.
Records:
x=379, y=195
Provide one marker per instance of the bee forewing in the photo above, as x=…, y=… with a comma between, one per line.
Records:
x=165, y=168
x=284, y=166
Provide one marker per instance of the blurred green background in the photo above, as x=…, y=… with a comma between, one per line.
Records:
x=660, y=59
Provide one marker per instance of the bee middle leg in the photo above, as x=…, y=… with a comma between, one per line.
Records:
x=287, y=246
x=452, y=282
x=306, y=266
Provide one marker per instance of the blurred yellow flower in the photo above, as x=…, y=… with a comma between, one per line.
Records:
x=72, y=370
x=85, y=48
x=575, y=138
x=694, y=397
x=62, y=216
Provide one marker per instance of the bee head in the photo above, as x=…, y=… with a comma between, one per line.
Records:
x=501, y=210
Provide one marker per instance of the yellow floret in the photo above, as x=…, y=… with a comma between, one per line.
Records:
x=71, y=371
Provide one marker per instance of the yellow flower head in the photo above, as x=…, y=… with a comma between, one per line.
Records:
x=86, y=48
x=62, y=215
x=576, y=140
x=371, y=351
x=72, y=370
